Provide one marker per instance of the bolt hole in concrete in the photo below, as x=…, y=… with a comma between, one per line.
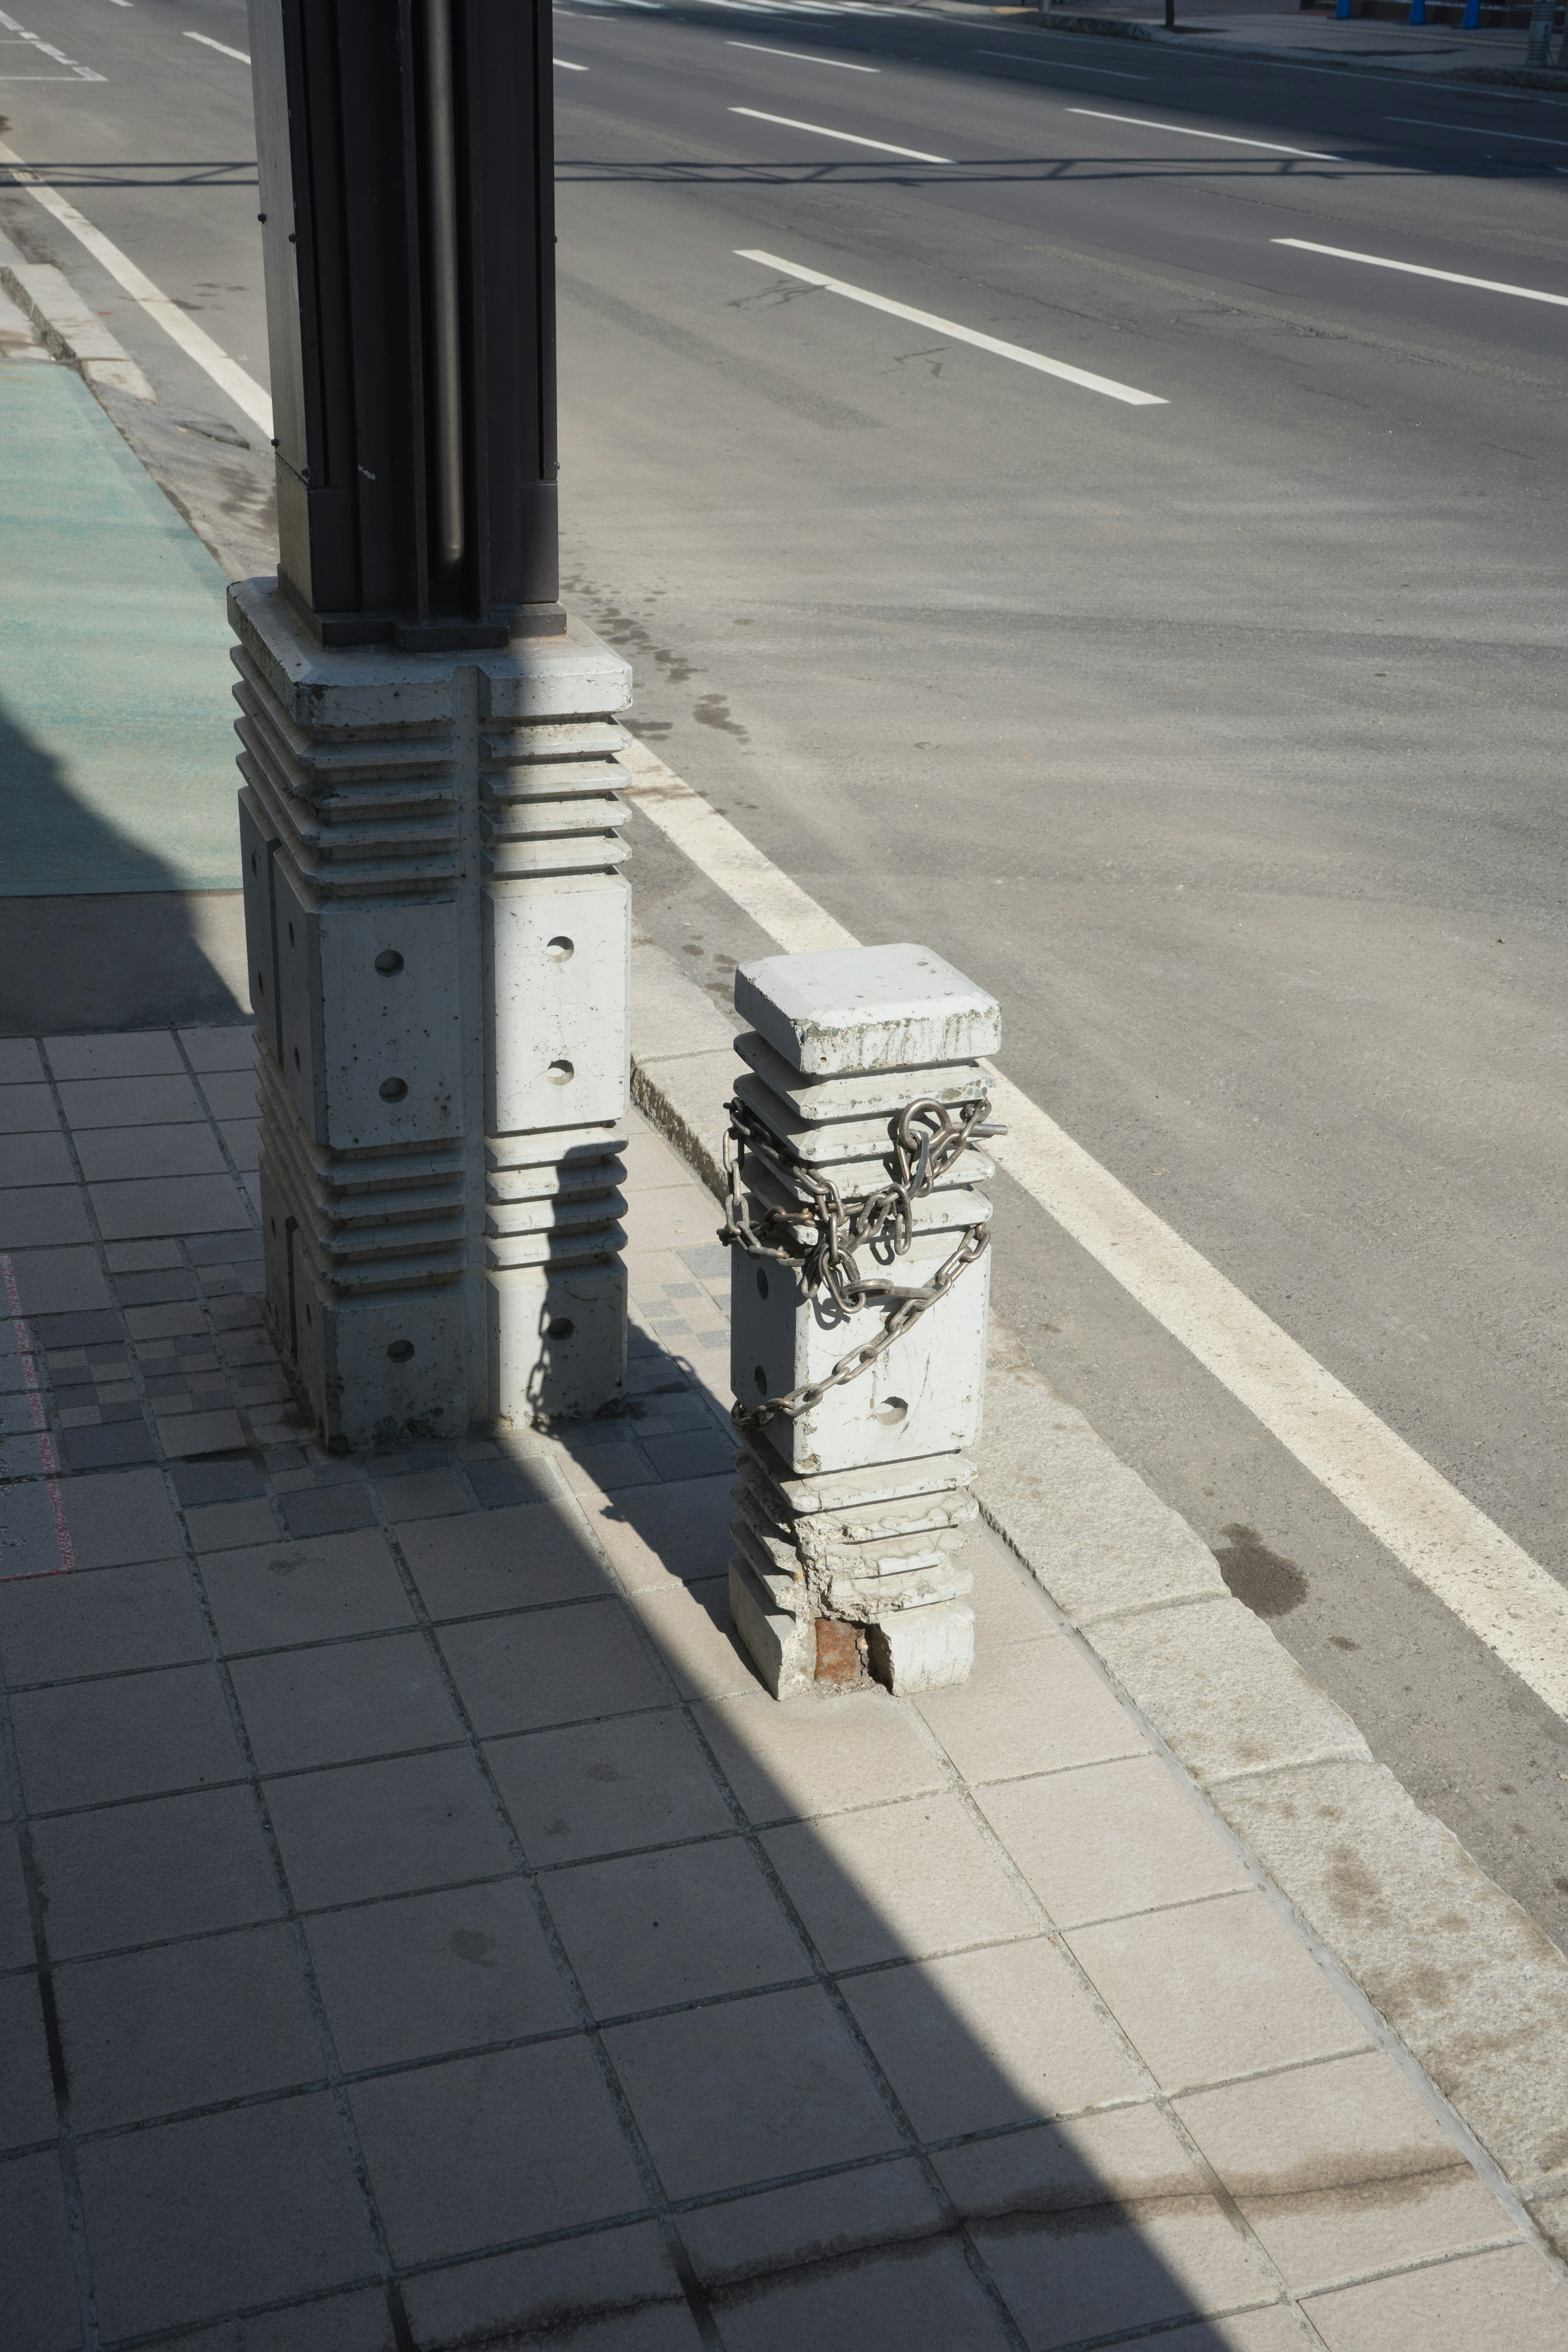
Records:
x=563, y=1328
x=891, y=1411
x=290, y=934
x=560, y=1074
x=760, y=1379
x=561, y=948
x=762, y=1284
x=401, y=1351
x=296, y=1058
x=393, y=1089
x=389, y=960
x=1263, y=1581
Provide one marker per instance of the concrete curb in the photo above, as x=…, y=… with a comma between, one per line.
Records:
x=1461, y=1975
x=1132, y=28
x=69, y=329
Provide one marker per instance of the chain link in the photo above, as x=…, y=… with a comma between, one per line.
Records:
x=927, y=1139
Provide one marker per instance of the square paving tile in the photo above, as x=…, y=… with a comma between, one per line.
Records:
x=818, y=1754
x=128, y=1053
x=604, y=1788
x=499, y=1559
x=58, y=1281
x=227, y=1048
x=474, y=2151
x=1109, y=1839
x=187, y=2025
x=678, y=1925
x=166, y=1866
x=680, y=1531
x=19, y=1061
x=328, y=1510
x=355, y=2321
x=16, y=1921
x=977, y=2040
x=130, y=1102
x=41, y=1216
x=1343, y=2170
x=111, y=1153
x=39, y=1158
x=898, y=1881
x=88, y=1743
x=230, y=1094
x=550, y=1665
x=289, y=1591
x=691, y=1624
x=920, y=2299
x=26, y=1109
x=429, y=1973
x=28, y=2113
x=187, y=1434
x=816, y=2220
x=363, y=1830
x=38, y=2306
x=172, y=2240
x=228, y=1526
x=110, y=1445
x=423, y=1495
x=1214, y=1990
x=121, y=1517
x=99, y=1622
x=349, y=1699
x=165, y=1205
x=624, y=2275
x=1031, y=1706
x=1508, y=2298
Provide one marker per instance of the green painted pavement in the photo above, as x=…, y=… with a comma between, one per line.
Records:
x=116, y=737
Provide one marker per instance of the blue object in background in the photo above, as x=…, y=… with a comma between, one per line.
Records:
x=1418, y=12
x=1470, y=22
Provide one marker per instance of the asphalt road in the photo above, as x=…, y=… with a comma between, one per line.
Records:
x=1219, y=736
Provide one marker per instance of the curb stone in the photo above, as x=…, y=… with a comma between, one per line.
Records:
x=1459, y=1972
x=1132, y=28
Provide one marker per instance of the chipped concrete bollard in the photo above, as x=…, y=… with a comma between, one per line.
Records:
x=439, y=940
x=859, y=1285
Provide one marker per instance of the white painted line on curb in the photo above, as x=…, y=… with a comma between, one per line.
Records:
x=207, y=42
x=1415, y=269
x=847, y=137
x=1060, y=65
x=195, y=342
x=1475, y=131
x=1225, y=137
x=799, y=57
x=1491, y=1584
x=1107, y=384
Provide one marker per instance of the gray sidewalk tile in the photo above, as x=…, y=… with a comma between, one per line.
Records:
x=390, y=1828
x=99, y=1622
x=596, y=1465
x=173, y=2242
x=228, y=1526
x=1109, y=1839
x=41, y=1158
x=186, y=2025
x=603, y=1788
x=28, y=1109
x=58, y=1281
x=137, y=1257
x=328, y=1510
x=110, y=1446
x=355, y=2322
x=176, y=1322
x=1342, y=2170
x=1030, y=1706
x=690, y=1454
x=682, y=1923
x=560, y=2291
x=283, y=1592
x=1508, y=2298
x=680, y=1531
x=154, y=1290
x=428, y=1974
x=220, y=1049
x=350, y=1699
x=1065, y=2286
x=110, y=1153
x=135, y=1053
x=898, y=1881
x=15, y=1923
x=977, y=2040
x=187, y=1433
x=130, y=1102
x=690, y=1623
x=1008, y=1605
x=19, y=1061
x=818, y=1754
x=810, y=2221
x=89, y=1743
x=922, y=2298
x=467, y=2154
x=38, y=2306
x=550, y=1665
x=27, y=2089
x=121, y=1518
x=230, y=1094
x=166, y=1866
x=42, y=1216
x=422, y=1494
x=509, y=1559
x=242, y=1142
x=1214, y=1990
x=165, y=1205
x=749, y=2090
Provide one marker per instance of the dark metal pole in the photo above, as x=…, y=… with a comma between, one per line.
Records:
x=441, y=256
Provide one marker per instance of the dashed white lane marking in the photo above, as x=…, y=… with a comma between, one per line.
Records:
x=799, y=57
x=73, y=72
x=1225, y=137
x=1060, y=65
x=222, y=49
x=1037, y=360
x=195, y=342
x=1416, y=270
x=846, y=138
x=1491, y=1585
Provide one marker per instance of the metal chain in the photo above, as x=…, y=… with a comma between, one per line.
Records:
x=927, y=1139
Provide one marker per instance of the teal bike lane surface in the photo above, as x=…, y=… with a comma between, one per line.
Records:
x=116, y=737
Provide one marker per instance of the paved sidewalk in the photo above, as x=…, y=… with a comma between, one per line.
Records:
x=1317, y=37
x=442, y=1941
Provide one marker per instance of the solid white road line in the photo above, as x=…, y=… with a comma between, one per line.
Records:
x=222, y=49
x=847, y=137
x=1107, y=384
x=1060, y=65
x=1476, y=131
x=567, y=67
x=1493, y=1586
x=1415, y=269
x=1225, y=137
x=195, y=342
x=799, y=57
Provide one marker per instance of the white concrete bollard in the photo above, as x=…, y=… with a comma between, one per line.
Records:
x=853, y=1502
x=439, y=944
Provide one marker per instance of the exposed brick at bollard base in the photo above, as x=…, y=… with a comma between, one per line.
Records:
x=853, y=1506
